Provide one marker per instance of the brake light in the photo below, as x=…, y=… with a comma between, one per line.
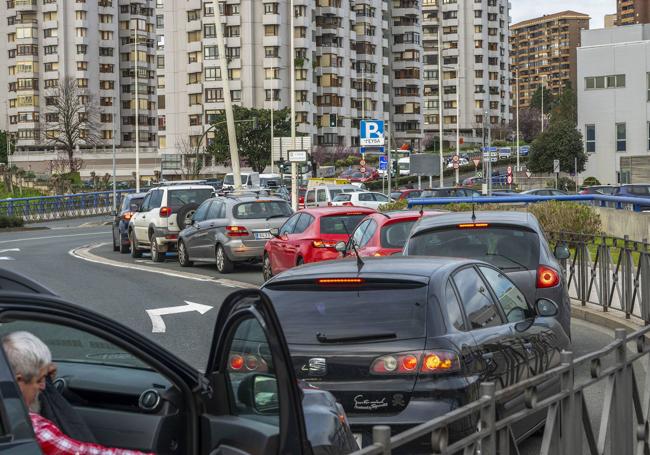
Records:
x=337, y=282
x=236, y=231
x=547, y=277
x=323, y=244
x=473, y=225
x=165, y=212
x=127, y=216
x=425, y=362
x=247, y=362
x=236, y=362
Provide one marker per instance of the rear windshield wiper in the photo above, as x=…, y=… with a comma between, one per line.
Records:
x=323, y=338
x=519, y=264
x=275, y=216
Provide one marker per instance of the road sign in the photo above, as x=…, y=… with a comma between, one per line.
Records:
x=362, y=163
x=509, y=179
x=486, y=155
x=281, y=146
x=529, y=174
x=383, y=163
x=476, y=161
x=556, y=166
x=372, y=133
x=479, y=175
x=489, y=149
x=297, y=156
x=362, y=170
x=509, y=170
x=455, y=158
x=494, y=159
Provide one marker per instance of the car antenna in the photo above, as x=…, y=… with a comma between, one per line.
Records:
x=421, y=210
x=473, y=212
x=385, y=214
x=360, y=262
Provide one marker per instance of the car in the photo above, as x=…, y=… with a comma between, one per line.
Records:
x=271, y=181
x=383, y=234
x=403, y=340
x=461, y=162
x=323, y=195
x=231, y=230
x=363, y=177
x=544, y=192
x=451, y=192
x=134, y=394
x=513, y=241
x=310, y=235
x=130, y=205
x=633, y=190
x=608, y=190
x=164, y=213
x=361, y=199
x=407, y=193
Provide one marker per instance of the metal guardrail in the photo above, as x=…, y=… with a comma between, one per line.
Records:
x=622, y=427
x=63, y=206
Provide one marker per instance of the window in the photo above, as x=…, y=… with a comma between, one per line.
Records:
x=621, y=137
x=303, y=223
x=287, y=228
x=368, y=233
x=201, y=212
x=512, y=301
x=590, y=138
x=452, y=305
x=602, y=82
x=216, y=211
x=358, y=233
x=480, y=309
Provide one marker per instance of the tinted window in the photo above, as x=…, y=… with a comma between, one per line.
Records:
x=395, y=195
x=179, y=198
x=129, y=201
x=339, y=224
x=261, y=209
x=334, y=193
x=395, y=235
x=369, y=232
x=303, y=223
x=366, y=197
x=380, y=197
x=287, y=228
x=358, y=232
x=310, y=196
x=452, y=305
x=202, y=211
x=229, y=179
x=145, y=203
x=512, y=301
x=321, y=196
x=342, y=197
x=350, y=313
x=639, y=190
x=506, y=247
x=156, y=200
x=215, y=211
x=475, y=298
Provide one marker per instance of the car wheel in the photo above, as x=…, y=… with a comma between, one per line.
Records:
x=123, y=248
x=156, y=255
x=224, y=265
x=185, y=214
x=183, y=255
x=267, y=269
x=135, y=252
x=116, y=246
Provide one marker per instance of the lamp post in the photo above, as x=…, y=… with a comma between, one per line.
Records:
x=292, y=70
x=442, y=177
x=517, y=114
x=458, y=125
x=114, y=165
x=542, y=79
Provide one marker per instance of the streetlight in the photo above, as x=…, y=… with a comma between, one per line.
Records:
x=440, y=103
x=542, y=85
x=292, y=75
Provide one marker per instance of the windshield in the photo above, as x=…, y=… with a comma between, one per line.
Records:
x=506, y=247
x=340, y=224
x=395, y=235
x=229, y=179
x=304, y=314
x=178, y=198
x=261, y=209
x=342, y=197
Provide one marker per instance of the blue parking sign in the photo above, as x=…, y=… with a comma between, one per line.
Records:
x=383, y=163
x=372, y=133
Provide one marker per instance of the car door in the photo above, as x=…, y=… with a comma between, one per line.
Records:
x=310, y=198
x=255, y=389
x=278, y=247
x=380, y=199
x=197, y=233
x=216, y=223
x=366, y=200
x=295, y=245
x=140, y=219
x=321, y=197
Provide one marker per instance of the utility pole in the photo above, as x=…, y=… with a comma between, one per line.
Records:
x=542, y=104
x=137, y=113
x=230, y=119
x=292, y=58
x=442, y=177
x=390, y=161
x=272, y=132
x=458, y=124
x=517, y=113
x=114, y=165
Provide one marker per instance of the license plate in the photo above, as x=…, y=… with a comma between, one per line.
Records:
x=359, y=438
x=262, y=235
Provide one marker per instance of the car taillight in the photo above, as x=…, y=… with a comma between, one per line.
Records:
x=340, y=282
x=424, y=362
x=165, y=212
x=473, y=225
x=324, y=244
x=236, y=231
x=127, y=216
x=246, y=362
x=547, y=277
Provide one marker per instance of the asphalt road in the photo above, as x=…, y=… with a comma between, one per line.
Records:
x=75, y=259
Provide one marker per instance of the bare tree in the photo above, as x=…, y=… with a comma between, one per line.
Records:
x=71, y=118
x=191, y=160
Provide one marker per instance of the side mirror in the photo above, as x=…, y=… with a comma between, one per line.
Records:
x=275, y=232
x=546, y=308
x=562, y=251
x=260, y=392
x=341, y=247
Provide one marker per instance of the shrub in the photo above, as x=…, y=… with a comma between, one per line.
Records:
x=555, y=216
x=400, y=204
x=11, y=222
x=590, y=181
x=563, y=183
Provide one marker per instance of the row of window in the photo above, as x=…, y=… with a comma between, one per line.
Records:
x=620, y=131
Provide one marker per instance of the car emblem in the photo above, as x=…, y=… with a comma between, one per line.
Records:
x=315, y=367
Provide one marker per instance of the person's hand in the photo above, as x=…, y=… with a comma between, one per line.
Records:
x=51, y=371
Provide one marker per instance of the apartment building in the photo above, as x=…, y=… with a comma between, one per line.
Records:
x=630, y=12
x=46, y=41
x=544, y=52
x=475, y=67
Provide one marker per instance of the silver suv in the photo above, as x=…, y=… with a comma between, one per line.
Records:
x=231, y=229
x=165, y=211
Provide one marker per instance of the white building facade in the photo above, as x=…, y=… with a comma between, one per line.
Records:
x=614, y=103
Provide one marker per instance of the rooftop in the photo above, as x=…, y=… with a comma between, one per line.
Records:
x=568, y=14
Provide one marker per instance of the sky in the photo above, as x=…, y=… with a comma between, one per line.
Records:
x=528, y=9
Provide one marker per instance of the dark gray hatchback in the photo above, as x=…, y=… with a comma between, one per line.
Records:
x=512, y=241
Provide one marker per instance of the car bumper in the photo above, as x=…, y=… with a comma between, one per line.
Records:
x=245, y=250
x=166, y=239
x=322, y=254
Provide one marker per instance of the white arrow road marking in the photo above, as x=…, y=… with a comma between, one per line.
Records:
x=156, y=314
x=9, y=250
x=8, y=258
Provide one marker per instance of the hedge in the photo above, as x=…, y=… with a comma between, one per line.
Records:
x=11, y=222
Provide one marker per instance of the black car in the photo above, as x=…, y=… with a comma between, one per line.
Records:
x=402, y=340
x=134, y=394
x=130, y=205
x=512, y=241
x=451, y=192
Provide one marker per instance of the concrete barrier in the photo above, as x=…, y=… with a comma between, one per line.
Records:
x=619, y=223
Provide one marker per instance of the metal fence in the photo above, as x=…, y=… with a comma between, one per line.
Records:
x=46, y=208
x=621, y=426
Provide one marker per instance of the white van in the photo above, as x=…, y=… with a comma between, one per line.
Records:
x=404, y=165
x=249, y=180
x=323, y=195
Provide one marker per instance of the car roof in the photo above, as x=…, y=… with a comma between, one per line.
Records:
x=321, y=211
x=132, y=195
x=496, y=217
x=249, y=198
x=403, y=214
x=183, y=187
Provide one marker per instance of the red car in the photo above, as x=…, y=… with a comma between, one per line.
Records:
x=406, y=193
x=384, y=234
x=310, y=235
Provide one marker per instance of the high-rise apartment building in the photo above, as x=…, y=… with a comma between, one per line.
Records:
x=475, y=67
x=630, y=12
x=544, y=52
x=92, y=43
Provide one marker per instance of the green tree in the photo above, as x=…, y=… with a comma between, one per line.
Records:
x=561, y=141
x=3, y=147
x=253, y=137
x=549, y=99
x=566, y=107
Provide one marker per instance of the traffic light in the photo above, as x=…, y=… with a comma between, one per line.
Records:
x=333, y=121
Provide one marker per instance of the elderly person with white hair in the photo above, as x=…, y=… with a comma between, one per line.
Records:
x=31, y=362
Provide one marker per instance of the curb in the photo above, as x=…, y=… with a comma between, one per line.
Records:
x=608, y=319
x=26, y=228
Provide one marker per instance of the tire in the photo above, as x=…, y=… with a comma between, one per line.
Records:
x=267, y=268
x=135, y=252
x=184, y=215
x=156, y=255
x=116, y=246
x=224, y=265
x=123, y=248
x=183, y=255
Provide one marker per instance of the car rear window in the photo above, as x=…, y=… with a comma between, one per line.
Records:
x=395, y=235
x=639, y=190
x=349, y=313
x=506, y=247
x=340, y=224
x=334, y=193
x=342, y=197
x=261, y=209
x=179, y=198
x=128, y=201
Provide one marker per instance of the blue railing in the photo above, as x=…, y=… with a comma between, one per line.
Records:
x=621, y=203
x=62, y=206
